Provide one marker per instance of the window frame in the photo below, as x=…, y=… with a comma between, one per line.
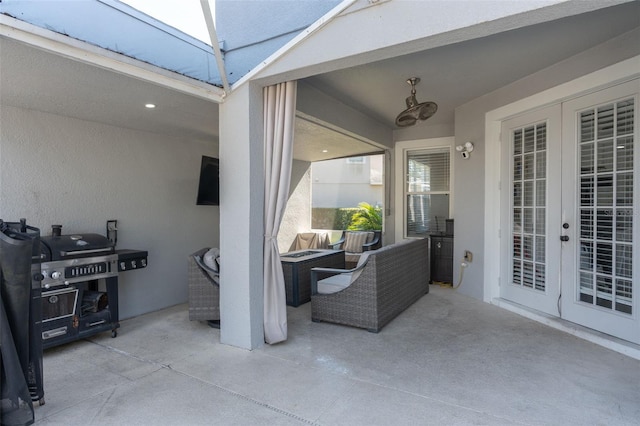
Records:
x=402, y=151
x=409, y=191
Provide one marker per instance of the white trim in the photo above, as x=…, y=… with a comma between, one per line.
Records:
x=213, y=35
x=87, y=53
x=609, y=76
x=615, y=344
x=399, y=153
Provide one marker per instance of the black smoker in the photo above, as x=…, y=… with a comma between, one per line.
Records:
x=79, y=284
x=55, y=289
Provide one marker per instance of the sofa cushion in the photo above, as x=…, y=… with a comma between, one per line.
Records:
x=334, y=283
x=352, y=258
x=339, y=282
x=354, y=241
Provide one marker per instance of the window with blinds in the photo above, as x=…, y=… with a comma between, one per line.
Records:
x=605, y=179
x=427, y=191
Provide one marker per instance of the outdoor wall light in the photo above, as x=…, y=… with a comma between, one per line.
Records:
x=465, y=150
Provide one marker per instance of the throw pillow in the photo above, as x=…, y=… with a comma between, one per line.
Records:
x=212, y=259
x=354, y=240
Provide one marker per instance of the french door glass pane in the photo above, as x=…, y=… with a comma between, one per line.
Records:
x=606, y=156
x=529, y=200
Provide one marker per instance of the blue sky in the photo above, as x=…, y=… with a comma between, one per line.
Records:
x=185, y=15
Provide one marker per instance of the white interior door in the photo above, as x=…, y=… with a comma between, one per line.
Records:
x=531, y=207
x=600, y=257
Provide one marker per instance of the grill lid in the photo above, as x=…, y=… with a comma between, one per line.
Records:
x=75, y=245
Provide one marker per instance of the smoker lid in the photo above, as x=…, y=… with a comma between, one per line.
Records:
x=76, y=245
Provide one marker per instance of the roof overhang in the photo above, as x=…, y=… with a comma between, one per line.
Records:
x=87, y=53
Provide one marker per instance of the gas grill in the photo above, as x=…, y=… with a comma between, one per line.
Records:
x=55, y=289
x=79, y=282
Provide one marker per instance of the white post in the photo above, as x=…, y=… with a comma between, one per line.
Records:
x=241, y=218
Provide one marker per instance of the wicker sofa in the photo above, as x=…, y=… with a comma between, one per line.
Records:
x=204, y=291
x=385, y=282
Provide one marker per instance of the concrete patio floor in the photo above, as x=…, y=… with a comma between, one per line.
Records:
x=446, y=360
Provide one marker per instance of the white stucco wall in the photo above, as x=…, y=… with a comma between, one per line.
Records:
x=60, y=170
x=297, y=215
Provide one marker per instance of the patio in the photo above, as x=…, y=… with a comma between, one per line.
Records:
x=448, y=359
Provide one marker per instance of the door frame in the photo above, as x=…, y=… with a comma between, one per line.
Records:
x=592, y=82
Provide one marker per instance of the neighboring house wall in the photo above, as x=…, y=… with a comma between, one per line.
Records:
x=341, y=183
x=60, y=170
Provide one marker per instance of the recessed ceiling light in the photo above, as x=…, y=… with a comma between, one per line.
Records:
x=325, y=150
x=150, y=106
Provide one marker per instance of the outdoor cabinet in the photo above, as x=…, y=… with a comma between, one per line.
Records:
x=442, y=258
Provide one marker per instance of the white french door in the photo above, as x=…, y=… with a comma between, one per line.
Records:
x=600, y=275
x=570, y=214
x=531, y=210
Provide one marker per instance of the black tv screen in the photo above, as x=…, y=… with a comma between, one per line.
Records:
x=209, y=185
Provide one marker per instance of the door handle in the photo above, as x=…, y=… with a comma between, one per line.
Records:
x=564, y=238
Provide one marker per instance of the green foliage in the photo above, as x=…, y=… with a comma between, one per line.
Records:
x=331, y=218
x=367, y=218
x=344, y=216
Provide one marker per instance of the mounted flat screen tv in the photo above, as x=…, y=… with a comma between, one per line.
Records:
x=209, y=184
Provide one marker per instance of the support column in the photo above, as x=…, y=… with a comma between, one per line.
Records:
x=241, y=218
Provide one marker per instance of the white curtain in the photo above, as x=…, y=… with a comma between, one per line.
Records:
x=279, y=117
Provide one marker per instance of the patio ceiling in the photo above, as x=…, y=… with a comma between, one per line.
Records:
x=455, y=74
x=452, y=75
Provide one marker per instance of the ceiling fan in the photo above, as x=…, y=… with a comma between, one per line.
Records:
x=415, y=111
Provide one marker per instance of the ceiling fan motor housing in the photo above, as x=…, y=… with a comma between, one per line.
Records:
x=415, y=111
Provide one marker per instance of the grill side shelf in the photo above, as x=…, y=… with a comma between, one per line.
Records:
x=129, y=259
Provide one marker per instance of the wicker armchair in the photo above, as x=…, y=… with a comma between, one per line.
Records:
x=354, y=243
x=204, y=290
x=369, y=296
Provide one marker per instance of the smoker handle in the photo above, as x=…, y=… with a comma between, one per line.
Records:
x=100, y=250
x=54, y=333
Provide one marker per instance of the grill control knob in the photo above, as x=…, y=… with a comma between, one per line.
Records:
x=55, y=275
